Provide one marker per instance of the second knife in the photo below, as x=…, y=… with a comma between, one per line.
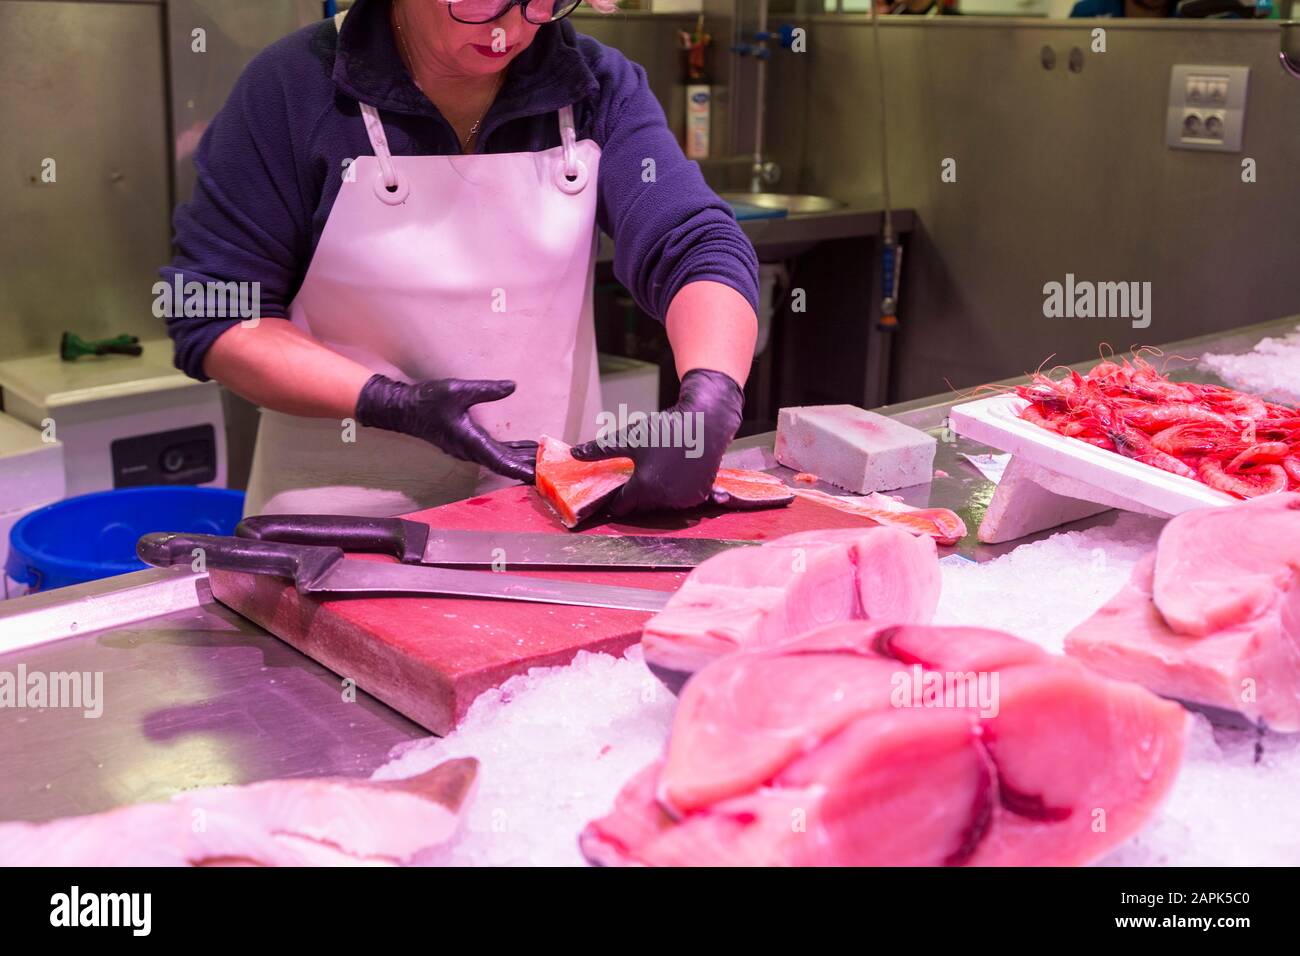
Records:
x=413, y=542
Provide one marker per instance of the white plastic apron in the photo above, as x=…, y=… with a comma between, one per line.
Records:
x=470, y=266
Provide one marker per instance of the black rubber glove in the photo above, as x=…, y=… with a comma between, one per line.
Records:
x=438, y=412
x=666, y=476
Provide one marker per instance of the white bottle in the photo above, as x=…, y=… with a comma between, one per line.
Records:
x=699, y=97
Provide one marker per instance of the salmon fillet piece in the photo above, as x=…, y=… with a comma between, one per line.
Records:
x=815, y=753
x=577, y=490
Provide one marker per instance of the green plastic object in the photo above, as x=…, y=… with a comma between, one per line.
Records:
x=73, y=346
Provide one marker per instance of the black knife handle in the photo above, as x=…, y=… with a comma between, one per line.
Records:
x=304, y=564
x=404, y=540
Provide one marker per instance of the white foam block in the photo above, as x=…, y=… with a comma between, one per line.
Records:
x=854, y=449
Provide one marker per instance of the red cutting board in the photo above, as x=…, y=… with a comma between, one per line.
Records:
x=430, y=657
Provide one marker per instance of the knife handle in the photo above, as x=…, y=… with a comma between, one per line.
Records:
x=404, y=540
x=304, y=564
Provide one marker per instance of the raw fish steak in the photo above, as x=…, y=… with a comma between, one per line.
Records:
x=759, y=597
x=897, y=745
x=576, y=490
x=323, y=822
x=1212, y=617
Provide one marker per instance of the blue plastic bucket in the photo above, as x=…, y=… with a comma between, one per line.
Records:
x=93, y=536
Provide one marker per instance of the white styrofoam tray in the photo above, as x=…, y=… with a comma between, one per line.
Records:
x=996, y=421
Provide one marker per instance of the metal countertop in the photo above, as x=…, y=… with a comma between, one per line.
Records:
x=785, y=236
x=192, y=698
x=195, y=695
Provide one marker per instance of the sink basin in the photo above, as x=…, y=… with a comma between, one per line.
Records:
x=793, y=203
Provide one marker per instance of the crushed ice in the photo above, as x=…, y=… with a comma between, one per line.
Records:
x=554, y=745
x=557, y=743
x=1270, y=369
x=1040, y=591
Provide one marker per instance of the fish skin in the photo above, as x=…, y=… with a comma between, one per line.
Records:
x=946, y=527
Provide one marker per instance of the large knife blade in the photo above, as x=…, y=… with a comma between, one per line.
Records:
x=325, y=570
x=412, y=542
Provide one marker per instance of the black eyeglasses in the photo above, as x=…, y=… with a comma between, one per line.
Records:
x=485, y=11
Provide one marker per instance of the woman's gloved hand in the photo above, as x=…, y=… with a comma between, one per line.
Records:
x=672, y=475
x=438, y=412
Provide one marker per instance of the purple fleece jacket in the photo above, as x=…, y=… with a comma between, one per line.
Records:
x=269, y=165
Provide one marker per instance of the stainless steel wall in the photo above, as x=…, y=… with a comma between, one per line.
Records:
x=653, y=40
x=82, y=84
x=1057, y=172
x=99, y=86
x=234, y=31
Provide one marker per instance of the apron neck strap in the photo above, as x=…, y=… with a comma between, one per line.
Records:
x=569, y=140
x=379, y=142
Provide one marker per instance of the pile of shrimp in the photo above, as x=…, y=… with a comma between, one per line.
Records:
x=1226, y=439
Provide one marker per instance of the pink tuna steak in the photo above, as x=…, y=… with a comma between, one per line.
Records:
x=325, y=822
x=764, y=596
x=1212, y=617
x=823, y=752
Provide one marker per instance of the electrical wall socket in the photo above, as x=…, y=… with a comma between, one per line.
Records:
x=1207, y=107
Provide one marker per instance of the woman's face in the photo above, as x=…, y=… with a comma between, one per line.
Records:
x=461, y=48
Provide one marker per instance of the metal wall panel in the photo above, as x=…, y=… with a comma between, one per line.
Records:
x=234, y=31
x=652, y=40
x=81, y=84
x=1057, y=172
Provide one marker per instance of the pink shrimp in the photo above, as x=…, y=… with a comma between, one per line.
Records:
x=1233, y=404
x=1195, y=438
x=1156, y=417
x=1263, y=480
x=1135, y=444
x=1034, y=415
x=1265, y=453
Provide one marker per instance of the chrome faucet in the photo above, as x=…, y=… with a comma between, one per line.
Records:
x=762, y=172
x=1290, y=53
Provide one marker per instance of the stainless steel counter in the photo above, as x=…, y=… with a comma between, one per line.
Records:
x=194, y=695
x=191, y=698
x=787, y=236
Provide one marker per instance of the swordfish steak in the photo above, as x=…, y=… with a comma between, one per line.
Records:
x=576, y=490
x=321, y=822
x=897, y=745
x=760, y=597
x=1212, y=617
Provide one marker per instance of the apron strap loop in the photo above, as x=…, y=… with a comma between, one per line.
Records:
x=570, y=175
x=379, y=141
x=569, y=139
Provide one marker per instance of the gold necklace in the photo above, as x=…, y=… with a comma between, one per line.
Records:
x=406, y=51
